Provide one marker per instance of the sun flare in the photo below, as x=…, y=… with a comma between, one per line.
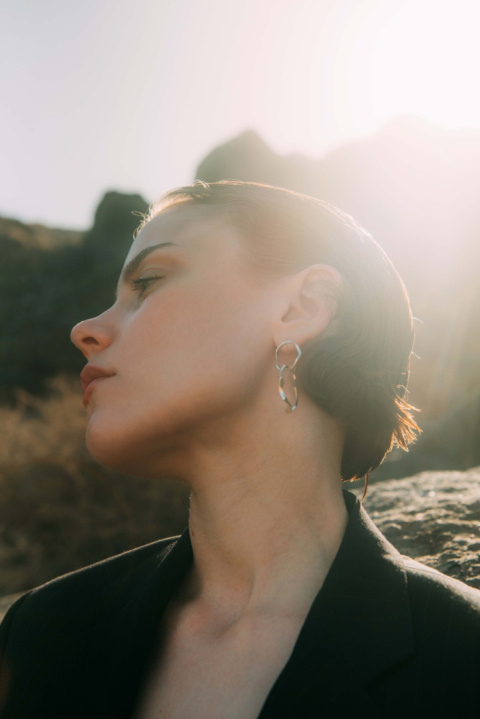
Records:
x=426, y=60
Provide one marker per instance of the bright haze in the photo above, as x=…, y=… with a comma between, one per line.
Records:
x=116, y=94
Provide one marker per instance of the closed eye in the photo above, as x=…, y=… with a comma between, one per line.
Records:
x=141, y=284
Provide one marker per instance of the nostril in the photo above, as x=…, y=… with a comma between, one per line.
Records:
x=82, y=336
x=86, y=345
x=92, y=335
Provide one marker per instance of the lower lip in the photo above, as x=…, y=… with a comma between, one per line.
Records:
x=90, y=388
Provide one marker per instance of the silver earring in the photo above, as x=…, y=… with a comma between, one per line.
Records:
x=290, y=368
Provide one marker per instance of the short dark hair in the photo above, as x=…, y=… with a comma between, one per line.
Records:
x=359, y=373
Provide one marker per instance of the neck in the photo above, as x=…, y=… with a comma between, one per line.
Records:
x=267, y=523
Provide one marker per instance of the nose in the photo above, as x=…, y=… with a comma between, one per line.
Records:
x=93, y=335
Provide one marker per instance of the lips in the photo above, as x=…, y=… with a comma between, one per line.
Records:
x=88, y=376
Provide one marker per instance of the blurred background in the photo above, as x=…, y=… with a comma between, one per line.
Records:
x=372, y=105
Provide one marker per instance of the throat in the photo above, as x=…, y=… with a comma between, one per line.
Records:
x=252, y=554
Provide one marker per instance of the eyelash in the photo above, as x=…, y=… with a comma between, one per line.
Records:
x=141, y=284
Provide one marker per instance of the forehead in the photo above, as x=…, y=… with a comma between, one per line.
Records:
x=195, y=230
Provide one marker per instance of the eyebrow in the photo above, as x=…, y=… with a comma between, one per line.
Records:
x=130, y=269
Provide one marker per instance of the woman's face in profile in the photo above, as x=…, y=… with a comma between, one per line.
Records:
x=187, y=343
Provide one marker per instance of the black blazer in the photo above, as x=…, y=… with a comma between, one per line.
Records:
x=385, y=638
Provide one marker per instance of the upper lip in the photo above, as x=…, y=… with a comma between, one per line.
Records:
x=90, y=372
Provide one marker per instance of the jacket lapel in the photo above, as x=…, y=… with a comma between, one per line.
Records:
x=134, y=606
x=358, y=627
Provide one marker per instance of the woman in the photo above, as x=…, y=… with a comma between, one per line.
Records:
x=281, y=599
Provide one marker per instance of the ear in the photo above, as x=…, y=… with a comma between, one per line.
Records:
x=309, y=304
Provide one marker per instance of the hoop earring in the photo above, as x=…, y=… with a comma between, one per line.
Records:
x=291, y=369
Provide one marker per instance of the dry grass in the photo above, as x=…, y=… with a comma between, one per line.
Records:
x=60, y=510
x=44, y=429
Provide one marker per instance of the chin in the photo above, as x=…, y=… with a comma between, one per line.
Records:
x=109, y=446
x=107, y=453
x=127, y=453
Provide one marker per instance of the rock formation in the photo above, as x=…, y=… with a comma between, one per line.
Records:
x=433, y=517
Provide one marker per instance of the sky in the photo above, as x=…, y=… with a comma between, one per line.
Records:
x=132, y=94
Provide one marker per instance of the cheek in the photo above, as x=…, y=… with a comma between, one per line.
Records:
x=178, y=366
x=196, y=333
x=222, y=345
x=198, y=363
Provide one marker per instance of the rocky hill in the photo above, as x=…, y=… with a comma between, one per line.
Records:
x=51, y=279
x=35, y=235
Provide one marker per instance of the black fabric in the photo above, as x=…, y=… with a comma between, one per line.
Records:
x=386, y=638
